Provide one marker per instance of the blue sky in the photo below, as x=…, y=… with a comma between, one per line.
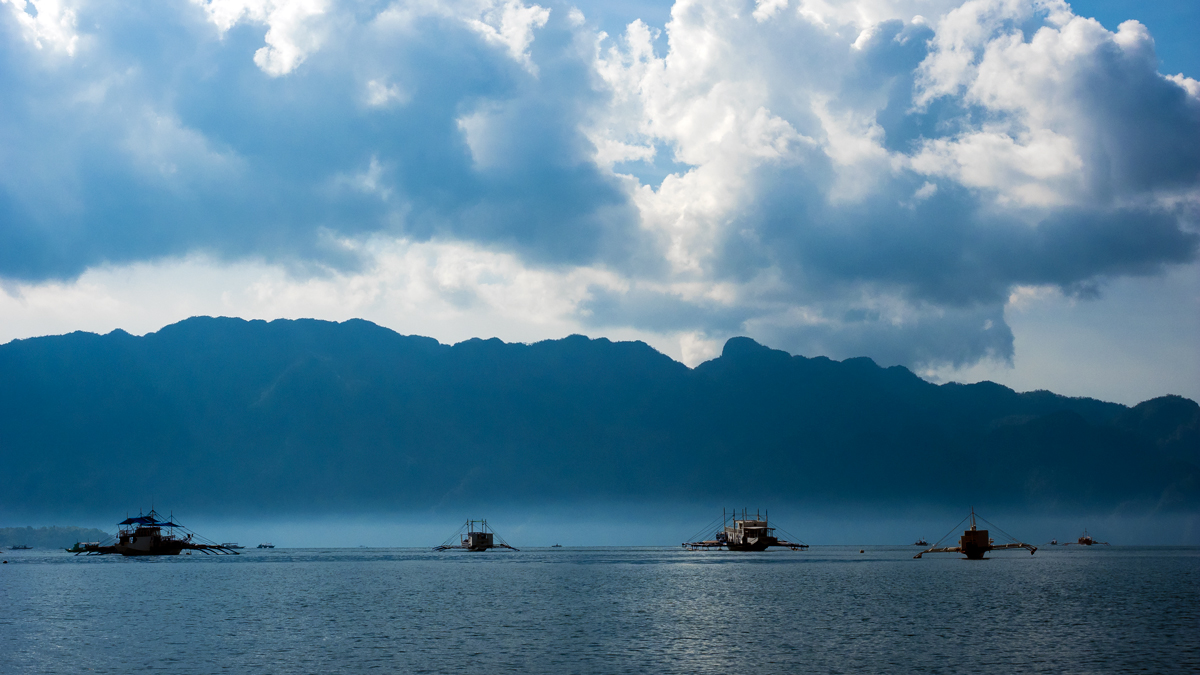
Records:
x=991, y=189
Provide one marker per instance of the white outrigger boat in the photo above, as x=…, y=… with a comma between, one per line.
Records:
x=748, y=533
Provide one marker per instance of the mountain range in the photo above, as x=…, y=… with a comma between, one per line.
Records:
x=41, y=538
x=225, y=415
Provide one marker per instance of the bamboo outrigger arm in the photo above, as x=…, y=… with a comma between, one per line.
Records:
x=944, y=549
x=1031, y=547
x=209, y=549
x=993, y=547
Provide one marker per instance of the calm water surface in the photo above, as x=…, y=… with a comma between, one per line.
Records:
x=603, y=610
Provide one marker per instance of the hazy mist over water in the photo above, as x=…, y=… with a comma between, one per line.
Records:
x=658, y=524
x=604, y=610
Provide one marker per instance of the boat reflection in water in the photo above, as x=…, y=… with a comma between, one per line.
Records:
x=152, y=535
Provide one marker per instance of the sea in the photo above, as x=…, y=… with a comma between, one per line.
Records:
x=828, y=609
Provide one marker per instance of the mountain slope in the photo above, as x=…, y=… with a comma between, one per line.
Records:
x=225, y=414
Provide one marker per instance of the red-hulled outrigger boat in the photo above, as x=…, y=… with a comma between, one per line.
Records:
x=974, y=543
x=474, y=535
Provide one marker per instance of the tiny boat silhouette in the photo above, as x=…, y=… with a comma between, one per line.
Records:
x=231, y=545
x=474, y=537
x=1085, y=539
x=556, y=546
x=152, y=535
x=266, y=544
x=974, y=543
x=748, y=533
x=19, y=547
x=921, y=542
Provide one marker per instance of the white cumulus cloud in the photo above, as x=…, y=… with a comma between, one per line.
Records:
x=842, y=177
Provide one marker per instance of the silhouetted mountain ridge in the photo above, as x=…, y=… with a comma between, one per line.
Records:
x=222, y=413
x=48, y=537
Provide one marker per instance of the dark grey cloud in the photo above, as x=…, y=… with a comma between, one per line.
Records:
x=959, y=337
x=949, y=248
x=189, y=145
x=661, y=311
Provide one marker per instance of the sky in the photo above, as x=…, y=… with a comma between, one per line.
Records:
x=990, y=189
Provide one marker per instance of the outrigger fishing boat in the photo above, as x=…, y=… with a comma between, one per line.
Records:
x=473, y=537
x=974, y=543
x=1085, y=539
x=748, y=533
x=152, y=535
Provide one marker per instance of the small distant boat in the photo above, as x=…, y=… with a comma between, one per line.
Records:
x=473, y=537
x=231, y=545
x=266, y=544
x=1054, y=542
x=19, y=547
x=1085, y=539
x=556, y=546
x=921, y=542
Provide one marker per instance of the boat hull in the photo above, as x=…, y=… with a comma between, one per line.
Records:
x=759, y=545
x=156, y=548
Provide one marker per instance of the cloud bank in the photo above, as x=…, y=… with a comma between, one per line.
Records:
x=836, y=178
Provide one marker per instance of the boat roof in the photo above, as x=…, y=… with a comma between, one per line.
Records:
x=145, y=520
x=150, y=520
